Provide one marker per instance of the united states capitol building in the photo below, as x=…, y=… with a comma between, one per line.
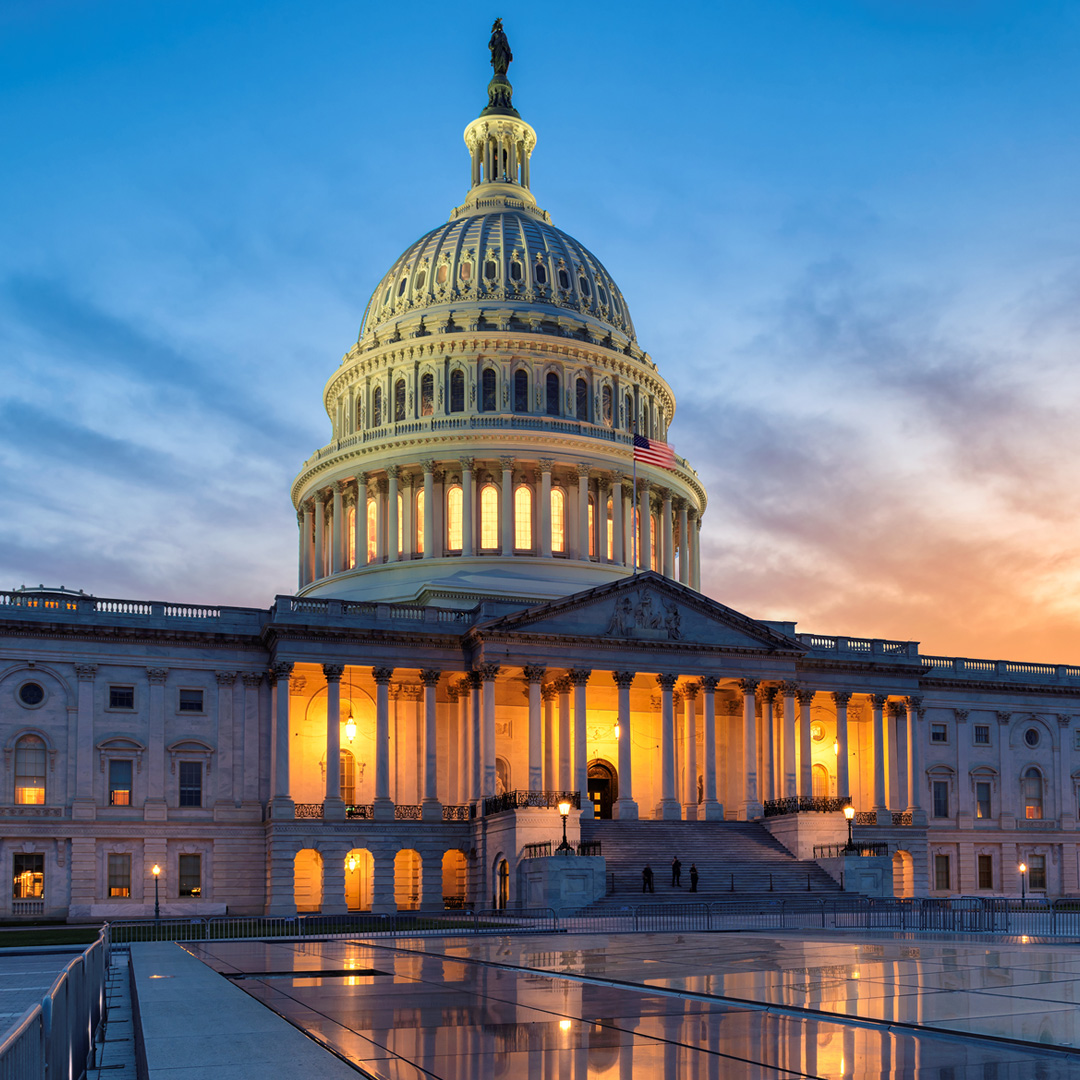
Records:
x=499, y=609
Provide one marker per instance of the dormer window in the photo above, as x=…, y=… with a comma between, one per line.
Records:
x=404, y=284
x=466, y=271
x=540, y=274
x=421, y=278
x=564, y=279
x=491, y=270
x=442, y=274
x=515, y=270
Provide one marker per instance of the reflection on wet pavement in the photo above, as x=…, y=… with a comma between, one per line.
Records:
x=585, y=1006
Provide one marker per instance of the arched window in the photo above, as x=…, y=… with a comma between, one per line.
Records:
x=352, y=537
x=419, y=518
x=1032, y=787
x=372, y=529
x=607, y=405
x=399, y=400
x=592, y=527
x=521, y=390
x=564, y=278
x=515, y=270
x=654, y=534
x=487, y=387
x=582, y=400
x=30, y=770
x=610, y=530
x=820, y=779
x=348, y=778
x=523, y=540
x=400, y=525
x=454, y=502
x=628, y=412
x=489, y=517
x=376, y=407
x=457, y=391
x=558, y=520
x=540, y=274
x=552, y=384
x=427, y=395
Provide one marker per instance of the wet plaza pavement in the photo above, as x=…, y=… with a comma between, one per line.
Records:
x=675, y=1005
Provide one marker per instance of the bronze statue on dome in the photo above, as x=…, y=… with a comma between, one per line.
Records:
x=500, y=48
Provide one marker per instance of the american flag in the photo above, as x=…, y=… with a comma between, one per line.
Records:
x=653, y=452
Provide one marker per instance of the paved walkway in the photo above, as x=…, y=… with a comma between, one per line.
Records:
x=25, y=978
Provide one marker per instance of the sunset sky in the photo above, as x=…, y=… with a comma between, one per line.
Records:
x=848, y=233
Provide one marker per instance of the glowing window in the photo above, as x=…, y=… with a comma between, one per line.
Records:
x=376, y=407
x=441, y=274
x=190, y=874
x=372, y=530
x=427, y=395
x=421, y=277
x=454, y=503
x=352, y=537
x=592, y=527
x=400, y=524
x=552, y=385
x=489, y=518
x=457, y=391
x=420, y=522
x=348, y=777
x=30, y=771
x=635, y=537
x=119, y=874
x=558, y=520
x=29, y=875
x=119, y=783
x=466, y=271
x=523, y=518
x=1032, y=787
x=610, y=531
x=582, y=398
x=399, y=400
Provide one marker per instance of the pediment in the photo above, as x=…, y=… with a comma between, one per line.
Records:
x=642, y=610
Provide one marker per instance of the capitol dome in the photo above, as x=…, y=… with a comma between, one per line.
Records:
x=484, y=423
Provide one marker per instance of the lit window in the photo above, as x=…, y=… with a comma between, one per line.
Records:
x=121, y=697
x=466, y=270
x=610, y=531
x=191, y=783
x=29, y=875
x=421, y=278
x=191, y=701
x=442, y=274
x=592, y=527
x=190, y=867
x=119, y=783
x=457, y=391
x=489, y=518
x=653, y=536
x=558, y=520
x=400, y=525
x=119, y=875
x=487, y=387
x=941, y=873
x=982, y=799
x=986, y=871
x=352, y=537
x=523, y=518
x=454, y=501
x=552, y=387
x=427, y=395
x=348, y=774
x=420, y=522
x=399, y=400
x=30, y=771
x=1032, y=787
x=941, y=798
x=372, y=529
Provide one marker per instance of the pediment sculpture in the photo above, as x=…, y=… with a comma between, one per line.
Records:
x=639, y=615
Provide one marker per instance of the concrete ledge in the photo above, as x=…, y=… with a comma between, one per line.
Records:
x=194, y=1023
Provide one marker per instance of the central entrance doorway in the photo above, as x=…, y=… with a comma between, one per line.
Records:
x=603, y=787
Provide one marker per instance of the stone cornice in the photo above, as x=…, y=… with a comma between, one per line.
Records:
x=128, y=635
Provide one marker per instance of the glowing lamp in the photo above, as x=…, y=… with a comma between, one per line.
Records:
x=618, y=730
x=351, y=863
x=350, y=726
x=836, y=747
x=156, y=870
x=564, y=848
x=849, y=813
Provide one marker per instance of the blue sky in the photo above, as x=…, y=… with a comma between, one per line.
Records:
x=847, y=232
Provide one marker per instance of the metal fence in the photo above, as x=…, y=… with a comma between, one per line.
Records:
x=56, y=1038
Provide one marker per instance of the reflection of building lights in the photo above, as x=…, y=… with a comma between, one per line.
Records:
x=564, y=1024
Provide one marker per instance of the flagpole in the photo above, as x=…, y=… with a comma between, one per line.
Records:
x=636, y=529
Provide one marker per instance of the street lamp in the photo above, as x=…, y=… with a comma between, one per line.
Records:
x=156, y=871
x=618, y=730
x=1023, y=883
x=564, y=809
x=849, y=813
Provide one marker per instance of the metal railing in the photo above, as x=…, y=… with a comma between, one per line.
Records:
x=801, y=804
x=56, y=1038
x=838, y=851
x=544, y=849
x=519, y=800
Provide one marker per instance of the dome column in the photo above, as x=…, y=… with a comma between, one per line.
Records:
x=534, y=676
x=690, y=803
x=307, y=550
x=583, y=513
x=684, y=544
x=668, y=809
x=337, y=539
x=392, y=554
x=507, y=510
x=360, y=525
x=381, y=486
x=695, y=581
x=617, y=532
x=384, y=807
x=625, y=807
x=669, y=538
x=644, y=525
x=712, y=808
x=603, y=489
x=545, y=507
x=320, y=528
x=751, y=808
x=429, y=509
x=467, y=502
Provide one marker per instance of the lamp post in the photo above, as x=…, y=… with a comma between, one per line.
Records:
x=156, y=871
x=564, y=848
x=849, y=813
x=1023, y=884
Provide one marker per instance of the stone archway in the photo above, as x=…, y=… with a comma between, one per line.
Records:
x=308, y=880
x=603, y=787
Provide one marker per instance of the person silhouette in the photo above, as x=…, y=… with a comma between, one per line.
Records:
x=693, y=877
x=647, y=879
x=676, y=872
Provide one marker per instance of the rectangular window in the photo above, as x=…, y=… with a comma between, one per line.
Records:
x=29, y=875
x=982, y=799
x=191, y=701
x=1037, y=872
x=191, y=875
x=982, y=734
x=592, y=530
x=191, y=783
x=941, y=798
x=941, y=873
x=1076, y=739
x=121, y=697
x=119, y=875
x=119, y=783
x=939, y=733
x=986, y=871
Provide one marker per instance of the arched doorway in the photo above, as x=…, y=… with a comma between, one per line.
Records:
x=455, y=882
x=359, y=875
x=308, y=880
x=820, y=778
x=407, y=880
x=603, y=787
x=502, y=884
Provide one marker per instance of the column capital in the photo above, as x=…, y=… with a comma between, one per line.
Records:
x=1064, y=719
x=361, y=479
x=841, y=698
x=579, y=676
x=961, y=715
x=473, y=680
x=709, y=683
x=549, y=692
x=157, y=675
x=623, y=679
x=428, y=465
x=583, y=471
x=896, y=709
x=86, y=672
x=430, y=676
x=690, y=689
x=666, y=681
x=350, y=499
x=225, y=678
x=618, y=476
x=1002, y=717
x=488, y=672
x=467, y=463
x=643, y=487
x=382, y=485
x=534, y=673
x=252, y=679
x=452, y=691
x=281, y=670
x=546, y=464
x=308, y=506
x=666, y=494
x=806, y=697
x=913, y=701
x=333, y=672
x=507, y=463
x=338, y=487
x=748, y=686
x=768, y=693
x=879, y=700
x=789, y=688
x=382, y=675
x=562, y=685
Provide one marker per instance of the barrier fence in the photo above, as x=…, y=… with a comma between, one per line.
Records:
x=55, y=1038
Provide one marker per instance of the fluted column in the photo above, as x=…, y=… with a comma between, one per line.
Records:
x=281, y=804
x=690, y=788
x=382, y=486
x=644, y=506
x=668, y=808
x=579, y=677
x=806, y=761
x=563, y=687
x=337, y=526
x=751, y=808
x=551, y=779
x=914, y=765
x=467, y=504
x=545, y=507
x=714, y=811
x=626, y=809
x=320, y=543
x=669, y=535
x=360, y=525
x=392, y=551
x=534, y=677
x=600, y=531
x=476, y=750
x=507, y=494
x=429, y=509
x=791, y=787
x=583, y=515
x=768, y=787
x=430, y=807
x=303, y=523
x=843, y=781
x=618, y=553
x=488, y=674
x=881, y=808
x=695, y=532
x=684, y=545
x=333, y=807
x=384, y=808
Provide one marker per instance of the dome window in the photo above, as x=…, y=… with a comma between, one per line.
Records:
x=540, y=274
x=427, y=395
x=628, y=411
x=515, y=270
x=601, y=294
x=583, y=282
x=558, y=521
x=489, y=518
x=402, y=286
x=582, y=400
x=487, y=388
x=376, y=407
x=421, y=277
x=457, y=391
x=386, y=298
x=491, y=270
x=441, y=274
x=552, y=387
x=523, y=538
x=454, y=507
x=466, y=271
x=564, y=279
x=399, y=400
x=606, y=405
x=521, y=391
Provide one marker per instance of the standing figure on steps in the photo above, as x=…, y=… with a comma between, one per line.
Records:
x=693, y=877
x=646, y=879
x=676, y=872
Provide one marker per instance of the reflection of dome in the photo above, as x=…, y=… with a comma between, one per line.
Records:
x=506, y=258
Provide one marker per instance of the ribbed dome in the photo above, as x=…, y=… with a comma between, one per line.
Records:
x=505, y=259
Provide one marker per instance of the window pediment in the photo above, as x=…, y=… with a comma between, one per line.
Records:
x=190, y=749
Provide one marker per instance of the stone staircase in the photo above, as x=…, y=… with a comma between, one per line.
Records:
x=736, y=860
